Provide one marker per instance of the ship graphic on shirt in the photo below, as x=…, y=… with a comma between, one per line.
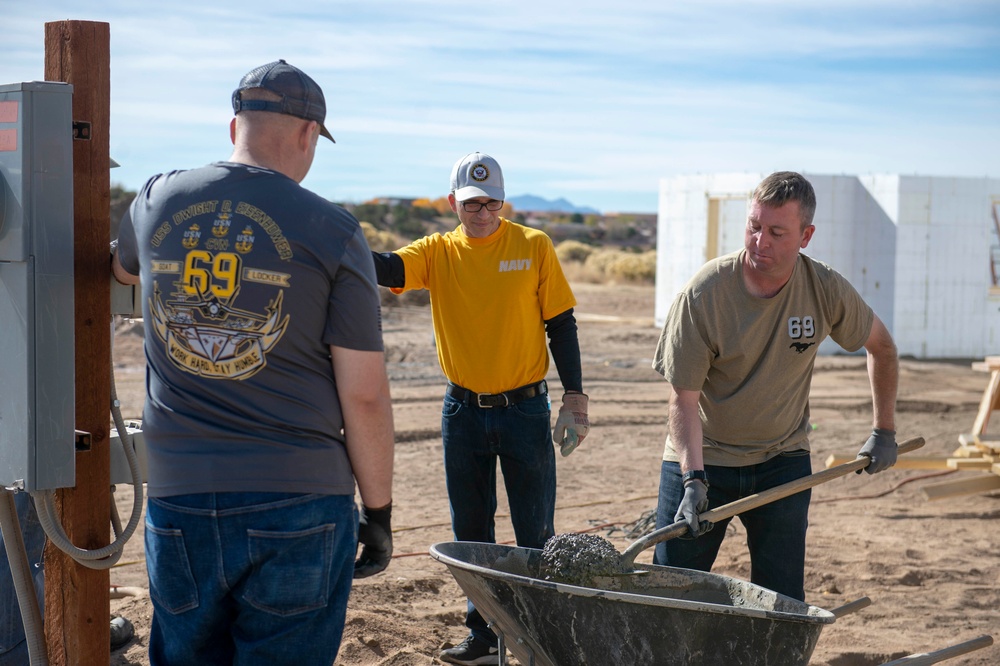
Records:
x=193, y=305
x=212, y=339
x=204, y=332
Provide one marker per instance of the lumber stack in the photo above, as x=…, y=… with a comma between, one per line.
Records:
x=977, y=450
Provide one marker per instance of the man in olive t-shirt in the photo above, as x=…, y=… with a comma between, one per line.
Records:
x=738, y=349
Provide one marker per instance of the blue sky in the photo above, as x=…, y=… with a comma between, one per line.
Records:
x=594, y=101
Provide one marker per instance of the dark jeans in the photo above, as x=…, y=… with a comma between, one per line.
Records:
x=249, y=578
x=776, y=532
x=520, y=437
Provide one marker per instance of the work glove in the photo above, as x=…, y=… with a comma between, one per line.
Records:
x=881, y=449
x=375, y=535
x=694, y=502
x=572, y=424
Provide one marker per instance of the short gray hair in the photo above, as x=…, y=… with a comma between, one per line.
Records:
x=783, y=186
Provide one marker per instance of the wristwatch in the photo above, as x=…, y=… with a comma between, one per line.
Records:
x=695, y=474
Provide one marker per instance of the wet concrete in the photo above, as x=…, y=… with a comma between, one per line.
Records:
x=577, y=559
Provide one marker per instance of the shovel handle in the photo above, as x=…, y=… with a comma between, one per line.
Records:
x=758, y=499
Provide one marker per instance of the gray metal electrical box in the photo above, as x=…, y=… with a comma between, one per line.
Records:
x=37, y=395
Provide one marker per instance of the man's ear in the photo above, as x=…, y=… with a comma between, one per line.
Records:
x=232, y=130
x=807, y=235
x=308, y=135
x=452, y=202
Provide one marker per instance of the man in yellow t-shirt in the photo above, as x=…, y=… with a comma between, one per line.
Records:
x=738, y=349
x=497, y=290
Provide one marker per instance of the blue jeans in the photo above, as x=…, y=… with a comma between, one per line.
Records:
x=13, y=646
x=249, y=578
x=776, y=532
x=520, y=437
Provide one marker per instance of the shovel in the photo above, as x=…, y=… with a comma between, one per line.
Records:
x=753, y=501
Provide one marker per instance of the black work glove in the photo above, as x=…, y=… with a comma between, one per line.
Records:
x=375, y=535
x=881, y=449
x=694, y=502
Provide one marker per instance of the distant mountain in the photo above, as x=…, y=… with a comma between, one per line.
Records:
x=530, y=202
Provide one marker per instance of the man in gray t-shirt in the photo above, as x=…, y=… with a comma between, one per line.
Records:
x=738, y=349
x=267, y=394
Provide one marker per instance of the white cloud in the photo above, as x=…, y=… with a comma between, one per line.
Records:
x=586, y=99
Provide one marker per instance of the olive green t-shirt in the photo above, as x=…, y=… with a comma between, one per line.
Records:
x=752, y=358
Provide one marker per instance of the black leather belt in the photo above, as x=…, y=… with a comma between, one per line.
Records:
x=505, y=399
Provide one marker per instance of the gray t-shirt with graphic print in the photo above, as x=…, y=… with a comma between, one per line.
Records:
x=247, y=279
x=752, y=358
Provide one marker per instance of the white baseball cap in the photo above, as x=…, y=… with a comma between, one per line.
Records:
x=477, y=175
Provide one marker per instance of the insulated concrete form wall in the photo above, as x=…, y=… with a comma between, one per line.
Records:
x=916, y=248
x=946, y=304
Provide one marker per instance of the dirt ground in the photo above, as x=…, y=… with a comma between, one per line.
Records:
x=930, y=568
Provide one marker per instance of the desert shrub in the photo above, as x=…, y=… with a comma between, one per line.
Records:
x=612, y=265
x=379, y=240
x=571, y=250
x=633, y=267
x=599, y=260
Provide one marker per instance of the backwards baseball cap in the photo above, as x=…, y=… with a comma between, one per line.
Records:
x=477, y=175
x=300, y=95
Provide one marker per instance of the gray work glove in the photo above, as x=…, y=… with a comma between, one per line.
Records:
x=881, y=449
x=572, y=424
x=694, y=502
x=375, y=537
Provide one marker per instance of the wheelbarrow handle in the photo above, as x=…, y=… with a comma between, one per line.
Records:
x=758, y=499
x=927, y=658
x=852, y=607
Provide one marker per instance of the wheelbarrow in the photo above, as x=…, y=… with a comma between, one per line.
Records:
x=668, y=616
x=663, y=615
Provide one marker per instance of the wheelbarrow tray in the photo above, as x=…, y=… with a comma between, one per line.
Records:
x=665, y=616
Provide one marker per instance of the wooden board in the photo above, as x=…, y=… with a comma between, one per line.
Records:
x=966, y=464
x=979, y=484
x=990, y=402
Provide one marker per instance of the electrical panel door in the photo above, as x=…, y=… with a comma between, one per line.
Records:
x=37, y=394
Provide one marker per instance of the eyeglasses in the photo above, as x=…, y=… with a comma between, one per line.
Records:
x=476, y=206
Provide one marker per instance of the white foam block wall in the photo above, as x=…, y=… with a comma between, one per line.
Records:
x=916, y=248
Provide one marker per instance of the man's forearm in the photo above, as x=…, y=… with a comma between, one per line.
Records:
x=565, y=346
x=390, y=271
x=684, y=426
x=883, y=374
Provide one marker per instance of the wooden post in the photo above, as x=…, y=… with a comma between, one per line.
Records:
x=77, y=599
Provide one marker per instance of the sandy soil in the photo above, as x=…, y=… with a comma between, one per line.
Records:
x=931, y=569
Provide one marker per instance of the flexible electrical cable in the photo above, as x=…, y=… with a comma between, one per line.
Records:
x=106, y=557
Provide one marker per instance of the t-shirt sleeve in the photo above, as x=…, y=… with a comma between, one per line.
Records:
x=683, y=354
x=554, y=293
x=128, y=241
x=128, y=253
x=416, y=264
x=354, y=319
x=853, y=320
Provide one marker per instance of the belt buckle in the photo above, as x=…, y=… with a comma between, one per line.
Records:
x=490, y=405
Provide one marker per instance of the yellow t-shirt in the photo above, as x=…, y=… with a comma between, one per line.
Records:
x=489, y=299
